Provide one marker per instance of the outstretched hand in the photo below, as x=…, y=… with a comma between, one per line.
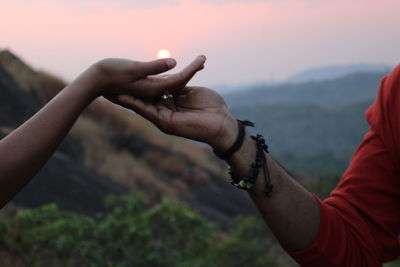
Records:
x=196, y=113
x=115, y=76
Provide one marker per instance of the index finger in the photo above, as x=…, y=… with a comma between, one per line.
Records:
x=156, y=85
x=155, y=67
x=187, y=73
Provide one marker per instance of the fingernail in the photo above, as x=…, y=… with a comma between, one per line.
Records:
x=171, y=62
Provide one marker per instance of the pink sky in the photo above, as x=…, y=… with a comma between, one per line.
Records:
x=245, y=41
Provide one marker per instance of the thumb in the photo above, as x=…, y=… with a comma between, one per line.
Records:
x=155, y=66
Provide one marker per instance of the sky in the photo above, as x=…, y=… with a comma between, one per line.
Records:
x=245, y=41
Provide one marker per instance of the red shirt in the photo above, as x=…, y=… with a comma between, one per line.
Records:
x=360, y=221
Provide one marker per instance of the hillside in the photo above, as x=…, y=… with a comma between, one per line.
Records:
x=308, y=139
x=337, y=71
x=111, y=151
x=352, y=88
x=313, y=127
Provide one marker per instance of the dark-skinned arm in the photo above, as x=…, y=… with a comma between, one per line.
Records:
x=201, y=114
x=24, y=151
x=290, y=210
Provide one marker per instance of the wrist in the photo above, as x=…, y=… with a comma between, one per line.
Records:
x=226, y=136
x=242, y=159
x=85, y=85
x=94, y=81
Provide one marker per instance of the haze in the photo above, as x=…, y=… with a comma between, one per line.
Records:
x=245, y=41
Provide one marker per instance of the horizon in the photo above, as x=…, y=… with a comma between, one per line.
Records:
x=254, y=41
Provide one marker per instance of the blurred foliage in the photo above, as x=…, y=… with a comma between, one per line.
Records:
x=134, y=233
x=395, y=263
x=323, y=185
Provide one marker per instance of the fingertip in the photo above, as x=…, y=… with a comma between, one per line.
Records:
x=170, y=63
x=202, y=58
x=156, y=66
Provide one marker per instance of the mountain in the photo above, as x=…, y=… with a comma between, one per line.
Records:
x=64, y=177
x=313, y=128
x=335, y=72
x=113, y=151
x=348, y=89
x=338, y=71
x=320, y=74
x=309, y=139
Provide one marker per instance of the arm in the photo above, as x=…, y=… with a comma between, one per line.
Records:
x=291, y=211
x=201, y=114
x=27, y=149
x=357, y=226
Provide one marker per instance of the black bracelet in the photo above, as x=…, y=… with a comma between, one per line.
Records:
x=249, y=182
x=238, y=143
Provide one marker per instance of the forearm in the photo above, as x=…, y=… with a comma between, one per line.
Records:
x=291, y=211
x=28, y=148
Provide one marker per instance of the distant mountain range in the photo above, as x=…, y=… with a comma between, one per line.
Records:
x=312, y=127
x=311, y=75
x=344, y=90
x=334, y=72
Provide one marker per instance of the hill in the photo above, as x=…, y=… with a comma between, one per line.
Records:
x=312, y=127
x=335, y=72
x=112, y=151
x=352, y=88
x=309, y=139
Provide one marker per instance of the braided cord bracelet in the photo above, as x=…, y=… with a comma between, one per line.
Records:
x=249, y=182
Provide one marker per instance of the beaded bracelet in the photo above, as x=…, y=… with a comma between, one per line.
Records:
x=249, y=182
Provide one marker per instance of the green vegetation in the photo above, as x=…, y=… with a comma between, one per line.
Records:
x=134, y=233
x=312, y=128
x=323, y=185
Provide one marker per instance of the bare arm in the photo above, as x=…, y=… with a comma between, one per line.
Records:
x=201, y=114
x=28, y=148
x=291, y=211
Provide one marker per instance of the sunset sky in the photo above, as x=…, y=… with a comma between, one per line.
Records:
x=245, y=41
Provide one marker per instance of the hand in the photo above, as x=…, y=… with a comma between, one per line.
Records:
x=114, y=76
x=196, y=113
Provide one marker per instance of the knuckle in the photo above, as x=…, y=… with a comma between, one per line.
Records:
x=181, y=77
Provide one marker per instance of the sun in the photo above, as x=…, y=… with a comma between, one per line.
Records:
x=163, y=53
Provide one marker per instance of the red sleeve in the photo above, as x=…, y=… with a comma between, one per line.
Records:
x=360, y=221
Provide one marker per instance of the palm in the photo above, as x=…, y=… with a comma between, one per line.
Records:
x=197, y=113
